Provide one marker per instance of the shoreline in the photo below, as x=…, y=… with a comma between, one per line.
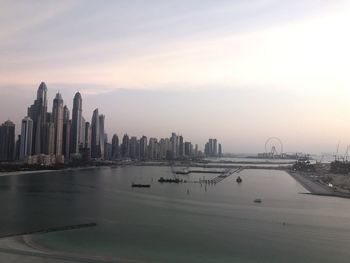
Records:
x=315, y=187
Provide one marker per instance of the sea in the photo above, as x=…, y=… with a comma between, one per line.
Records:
x=186, y=222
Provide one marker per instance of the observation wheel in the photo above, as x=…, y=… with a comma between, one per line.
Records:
x=274, y=147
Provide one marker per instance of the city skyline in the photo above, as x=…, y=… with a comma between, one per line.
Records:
x=50, y=138
x=242, y=71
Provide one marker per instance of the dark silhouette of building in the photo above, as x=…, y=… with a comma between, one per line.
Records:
x=7, y=141
x=38, y=113
x=75, y=132
x=115, y=147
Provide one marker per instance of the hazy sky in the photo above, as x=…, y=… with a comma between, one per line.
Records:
x=238, y=70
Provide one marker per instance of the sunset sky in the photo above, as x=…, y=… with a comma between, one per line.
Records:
x=237, y=70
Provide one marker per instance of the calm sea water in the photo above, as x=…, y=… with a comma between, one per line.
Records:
x=178, y=223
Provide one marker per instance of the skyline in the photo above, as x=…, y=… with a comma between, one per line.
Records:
x=199, y=68
x=58, y=137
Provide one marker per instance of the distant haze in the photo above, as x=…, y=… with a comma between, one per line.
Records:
x=239, y=71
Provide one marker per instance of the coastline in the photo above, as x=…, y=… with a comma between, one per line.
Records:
x=25, y=248
x=49, y=170
x=316, y=187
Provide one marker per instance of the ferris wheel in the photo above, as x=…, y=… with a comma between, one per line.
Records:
x=274, y=147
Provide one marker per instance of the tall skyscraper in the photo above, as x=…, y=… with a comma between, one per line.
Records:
x=37, y=112
x=7, y=141
x=143, y=147
x=153, y=149
x=95, y=135
x=75, y=132
x=102, y=135
x=57, y=116
x=188, y=149
x=173, y=140
x=87, y=133
x=82, y=133
x=220, y=150
x=215, y=147
x=115, y=147
x=49, y=138
x=66, y=132
x=125, y=146
x=26, y=138
x=181, y=146
x=133, y=147
x=17, y=147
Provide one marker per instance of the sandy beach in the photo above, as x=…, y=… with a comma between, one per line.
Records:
x=25, y=249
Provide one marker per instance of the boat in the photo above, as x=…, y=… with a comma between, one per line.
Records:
x=141, y=185
x=164, y=180
x=239, y=180
x=257, y=200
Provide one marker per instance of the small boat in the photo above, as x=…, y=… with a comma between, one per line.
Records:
x=257, y=200
x=141, y=185
x=239, y=180
x=164, y=180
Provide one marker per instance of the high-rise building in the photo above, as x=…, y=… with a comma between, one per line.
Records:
x=102, y=135
x=49, y=136
x=188, y=149
x=66, y=132
x=57, y=116
x=133, y=147
x=125, y=146
x=95, y=135
x=181, y=146
x=143, y=147
x=215, y=147
x=87, y=133
x=26, y=138
x=17, y=147
x=82, y=134
x=220, y=150
x=115, y=147
x=153, y=149
x=37, y=112
x=173, y=140
x=75, y=132
x=7, y=141
x=211, y=148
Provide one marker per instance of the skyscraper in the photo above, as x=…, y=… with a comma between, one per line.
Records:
x=153, y=149
x=133, y=147
x=143, y=147
x=7, y=141
x=37, y=112
x=215, y=147
x=102, y=135
x=66, y=132
x=26, y=138
x=125, y=146
x=115, y=146
x=57, y=116
x=87, y=141
x=82, y=143
x=95, y=135
x=181, y=146
x=174, y=140
x=49, y=138
x=75, y=132
x=220, y=150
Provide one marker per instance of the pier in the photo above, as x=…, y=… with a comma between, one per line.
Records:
x=223, y=175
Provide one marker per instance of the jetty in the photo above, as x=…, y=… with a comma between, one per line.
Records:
x=223, y=175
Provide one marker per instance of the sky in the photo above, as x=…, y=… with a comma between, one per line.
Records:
x=240, y=71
